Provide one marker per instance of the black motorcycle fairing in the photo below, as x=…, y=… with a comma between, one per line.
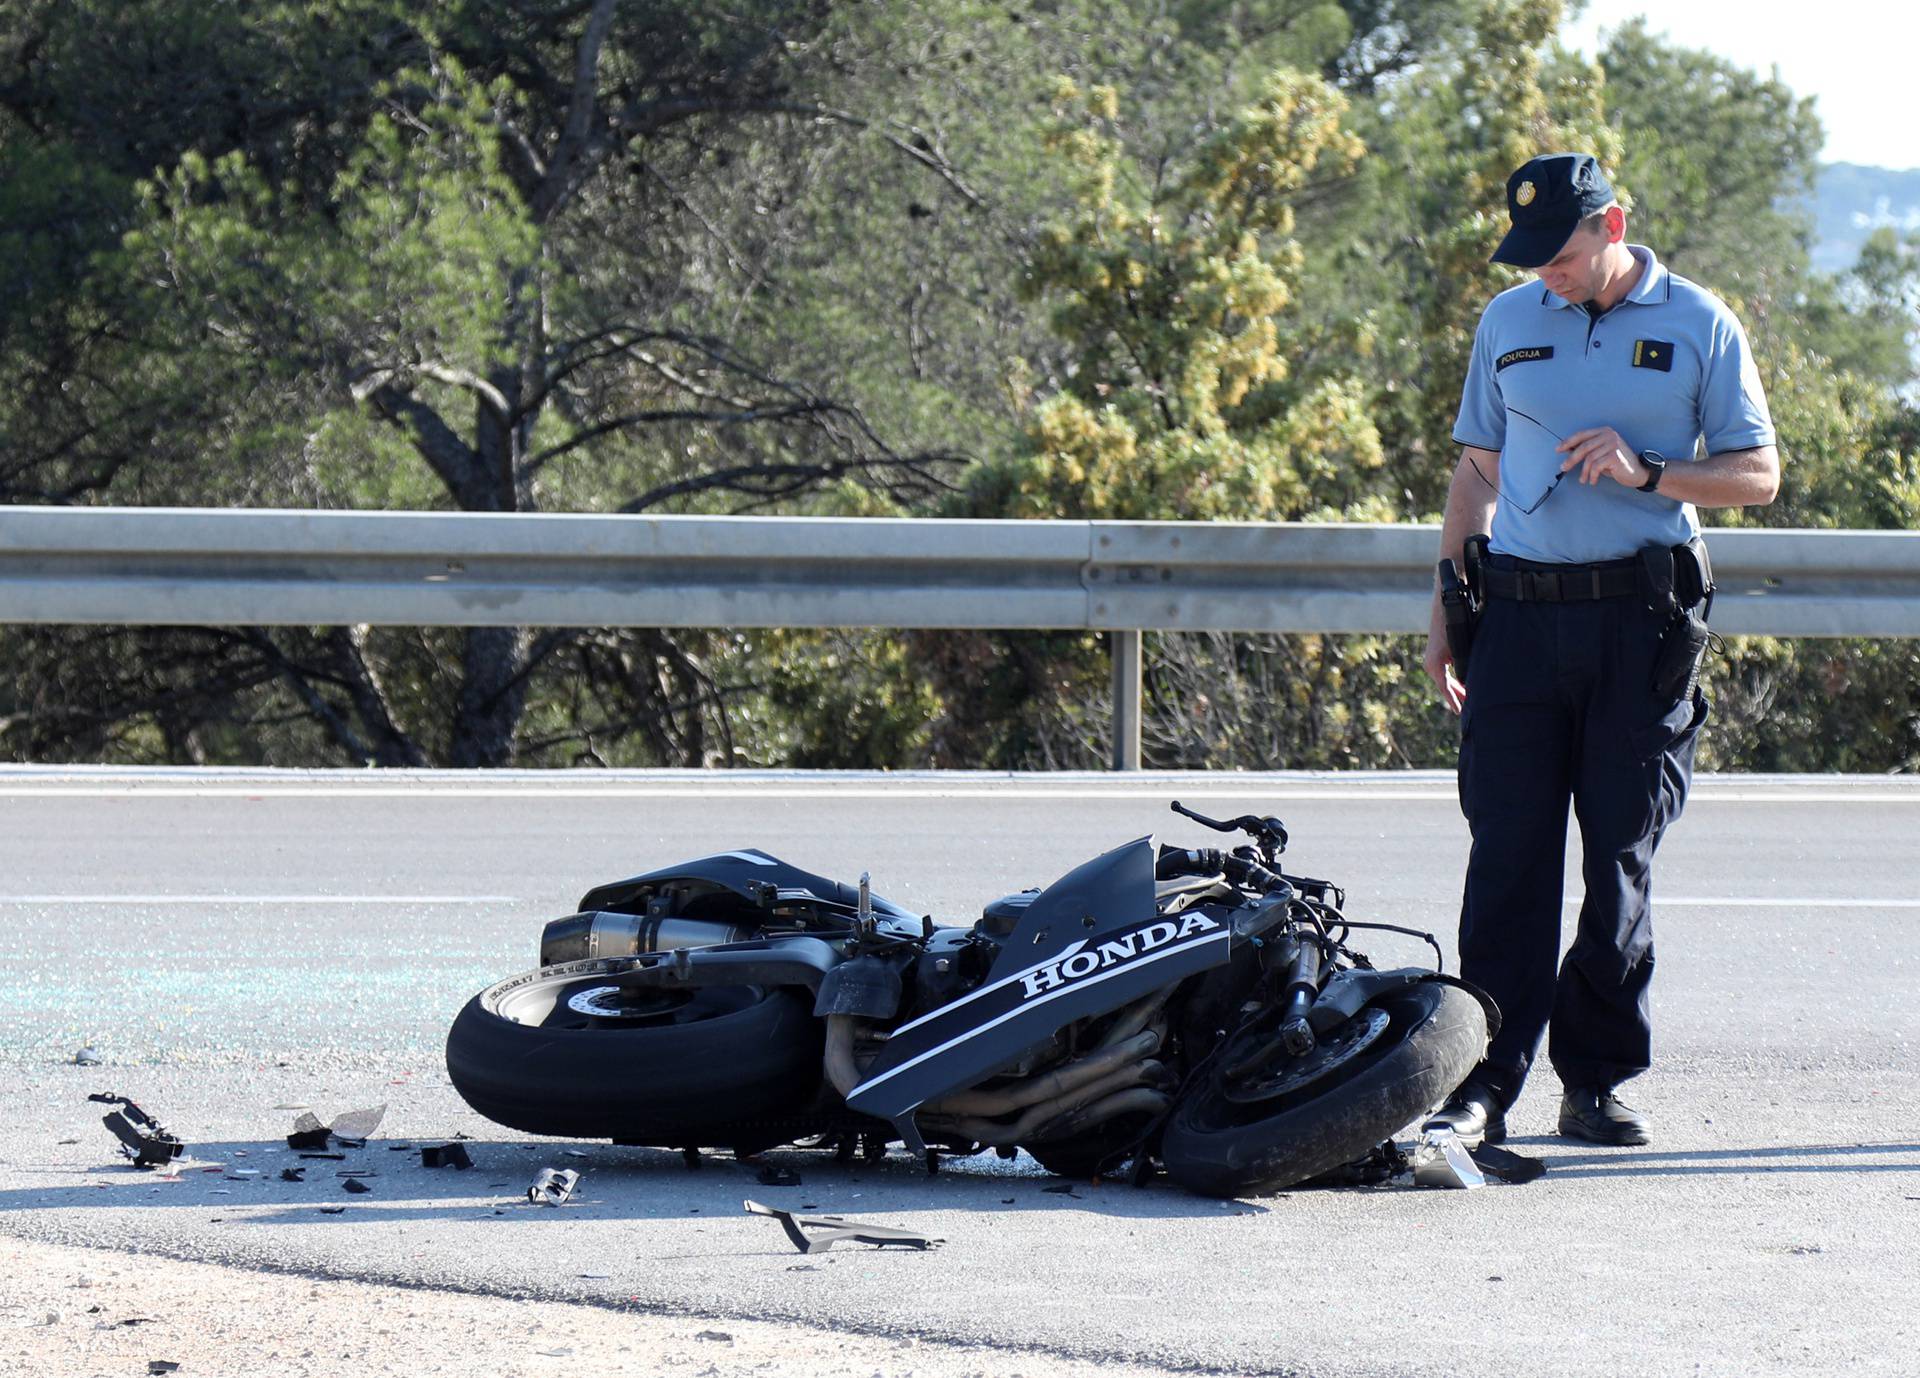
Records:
x=1088, y=944
x=760, y=879
x=867, y=987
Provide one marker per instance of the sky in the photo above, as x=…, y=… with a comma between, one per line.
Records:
x=1856, y=57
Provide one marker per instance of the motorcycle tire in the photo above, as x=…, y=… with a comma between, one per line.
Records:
x=1435, y=1035
x=569, y=1051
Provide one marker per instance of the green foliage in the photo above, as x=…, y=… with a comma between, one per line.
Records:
x=1172, y=283
x=1216, y=260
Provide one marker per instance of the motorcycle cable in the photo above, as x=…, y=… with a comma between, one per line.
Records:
x=1439, y=958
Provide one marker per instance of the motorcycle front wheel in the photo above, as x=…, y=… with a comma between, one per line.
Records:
x=1415, y=1045
x=583, y=1050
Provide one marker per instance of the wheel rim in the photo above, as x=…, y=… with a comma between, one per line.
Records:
x=597, y=1001
x=1344, y=1045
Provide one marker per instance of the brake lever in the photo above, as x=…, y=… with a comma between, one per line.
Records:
x=1269, y=830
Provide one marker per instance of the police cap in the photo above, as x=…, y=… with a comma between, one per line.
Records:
x=1546, y=200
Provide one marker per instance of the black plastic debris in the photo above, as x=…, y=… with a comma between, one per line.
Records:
x=142, y=1138
x=330, y=1157
x=293, y=1174
x=307, y=1132
x=162, y=1366
x=354, y=1184
x=445, y=1155
x=333, y=1210
x=1505, y=1164
x=353, y=1127
x=552, y=1187
x=774, y=1176
x=819, y=1233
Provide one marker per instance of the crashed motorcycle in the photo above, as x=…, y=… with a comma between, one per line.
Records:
x=1199, y=1010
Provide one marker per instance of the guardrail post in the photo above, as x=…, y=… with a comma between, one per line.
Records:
x=1126, y=699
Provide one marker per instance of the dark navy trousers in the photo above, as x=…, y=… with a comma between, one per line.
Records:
x=1560, y=712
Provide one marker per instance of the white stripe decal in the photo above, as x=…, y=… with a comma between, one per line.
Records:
x=1223, y=935
x=979, y=991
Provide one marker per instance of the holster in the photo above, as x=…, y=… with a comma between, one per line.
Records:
x=1455, y=607
x=1680, y=578
x=1462, y=598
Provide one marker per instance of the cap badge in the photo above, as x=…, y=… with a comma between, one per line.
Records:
x=1524, y=196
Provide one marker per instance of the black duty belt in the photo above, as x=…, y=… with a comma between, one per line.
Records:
x=1564, y=583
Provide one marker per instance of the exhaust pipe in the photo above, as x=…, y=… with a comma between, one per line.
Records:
x=600, y=934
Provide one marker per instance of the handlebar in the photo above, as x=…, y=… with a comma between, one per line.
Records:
x=1206, y=861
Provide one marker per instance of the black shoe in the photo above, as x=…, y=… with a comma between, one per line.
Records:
x=1474, y=1114
x=1594, y=1114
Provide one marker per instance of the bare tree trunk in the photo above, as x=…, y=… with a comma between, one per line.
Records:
x=493, y=694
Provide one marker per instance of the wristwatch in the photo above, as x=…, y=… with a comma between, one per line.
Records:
x=1656, y=469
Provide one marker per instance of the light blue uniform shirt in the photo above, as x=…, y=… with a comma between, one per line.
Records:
x=1665, y=367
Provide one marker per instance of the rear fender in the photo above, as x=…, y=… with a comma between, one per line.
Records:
x=1347, y=993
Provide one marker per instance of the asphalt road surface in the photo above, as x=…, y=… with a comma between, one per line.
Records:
x=237, y=945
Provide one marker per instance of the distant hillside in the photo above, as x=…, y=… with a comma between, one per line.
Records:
x=1851, y=201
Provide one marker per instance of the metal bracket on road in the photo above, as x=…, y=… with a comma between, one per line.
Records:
x=828, y=1230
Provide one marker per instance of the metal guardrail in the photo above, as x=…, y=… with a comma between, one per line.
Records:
x=170, y=566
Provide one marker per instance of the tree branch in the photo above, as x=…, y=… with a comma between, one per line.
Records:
x=574, y=157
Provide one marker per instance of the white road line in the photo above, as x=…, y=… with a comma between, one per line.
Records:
x=1767, y=902
x=258, y=899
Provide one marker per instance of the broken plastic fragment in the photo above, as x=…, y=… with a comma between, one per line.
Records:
x=87, y=1057
x=307, y=1132
x=352, y=1127
x=161, y=1366
x=552, y=1187
x=354, y=1184
x=1441, y=1160
x=445, y=1155
x=142, y=1138
x=293, y=1174
x=1507, y=1165
x=828, y=1230
x=358, y=1125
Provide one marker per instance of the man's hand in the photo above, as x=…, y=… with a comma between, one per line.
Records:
x=1439, y=663
x=1601, y=453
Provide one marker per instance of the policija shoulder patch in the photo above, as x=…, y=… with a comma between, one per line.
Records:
x=1653, y=354
x=1523, y=356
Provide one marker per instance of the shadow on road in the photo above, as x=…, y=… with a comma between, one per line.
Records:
x=635, y=1184
x=1755, y=1161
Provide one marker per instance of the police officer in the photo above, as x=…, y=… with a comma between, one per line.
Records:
x=1587, y=397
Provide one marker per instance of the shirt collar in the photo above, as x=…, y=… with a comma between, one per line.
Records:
x=1655, y=285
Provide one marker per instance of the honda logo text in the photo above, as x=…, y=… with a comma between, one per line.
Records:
x=1070, y=967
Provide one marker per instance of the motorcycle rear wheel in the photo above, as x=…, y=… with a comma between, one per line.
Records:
x=1435, y=1036
x=575, y=1051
